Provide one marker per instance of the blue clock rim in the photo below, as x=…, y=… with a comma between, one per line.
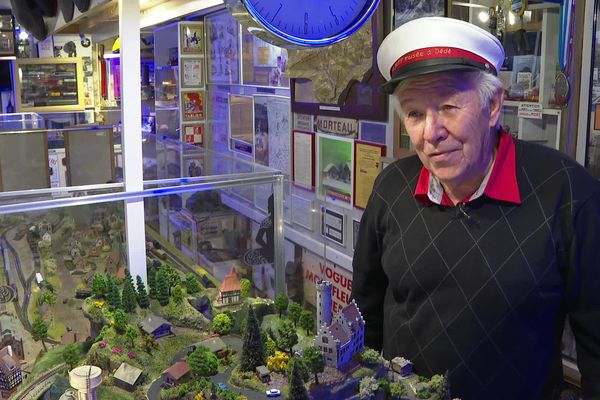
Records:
x=368, y=10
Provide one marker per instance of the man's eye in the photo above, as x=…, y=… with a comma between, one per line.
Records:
x=447, y=107
x=413, y=114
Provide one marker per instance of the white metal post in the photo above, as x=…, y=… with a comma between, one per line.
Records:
x=131, y=117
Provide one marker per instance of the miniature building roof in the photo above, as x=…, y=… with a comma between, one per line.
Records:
x=178, y=370
x=128, y=373
x=215, y=345
x=7, y=361
x=262, y=370
x=351, y=312
x=401, y=361
x=338, y=333
x=231, y=282
x=151, y=324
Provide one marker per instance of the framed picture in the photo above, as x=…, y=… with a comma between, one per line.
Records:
x=303, y=122
x=332, y=226
x=367, y=157
x=302, y=212
x=335, y=166
x=192, y=72
x=262, y=63
x=272, y=132
x=303, y=159
x=352, y=97
x=241, y=123
x=355, y=229
x=193, y=133
x=194, y=167
x=223, y=55
x=191, y=37
x=192, y=105
x=407, y=10
x=372, y=132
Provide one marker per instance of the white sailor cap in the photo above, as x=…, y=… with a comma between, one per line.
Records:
x=435, y=44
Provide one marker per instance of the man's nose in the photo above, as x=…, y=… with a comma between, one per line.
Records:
x=434, y=130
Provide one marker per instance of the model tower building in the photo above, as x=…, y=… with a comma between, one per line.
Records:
x=85, y=379
x=345, y=335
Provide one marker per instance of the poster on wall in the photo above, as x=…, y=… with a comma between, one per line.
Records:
x=192, y=105
x=223, y=48
x=407, y=10
x=191, y=37
x=302, y=212
x=192, y=74
x=303, y=159
x=194, y=167
x=345, y=127
x=241, y=123
x=262, y=63
x=366, y=168
x=332, y=225
x=54, y=170
x=272, y=132
x=314, y=269
x=193, y=133
x=335, y=169
x=218, y=117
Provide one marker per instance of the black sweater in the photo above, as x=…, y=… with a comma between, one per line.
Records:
x=485, y=295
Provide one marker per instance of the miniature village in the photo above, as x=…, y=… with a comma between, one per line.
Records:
x=74, y=322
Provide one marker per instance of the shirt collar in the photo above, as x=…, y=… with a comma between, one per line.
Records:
x=500, y=183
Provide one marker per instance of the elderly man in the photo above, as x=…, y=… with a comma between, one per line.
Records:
x=472, y=253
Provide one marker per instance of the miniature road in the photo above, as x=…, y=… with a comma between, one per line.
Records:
x=25, y=283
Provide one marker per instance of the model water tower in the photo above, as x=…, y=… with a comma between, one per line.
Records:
x=323, y=303
x=85, y=379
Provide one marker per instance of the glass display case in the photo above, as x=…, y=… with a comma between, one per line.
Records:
x=49, y=84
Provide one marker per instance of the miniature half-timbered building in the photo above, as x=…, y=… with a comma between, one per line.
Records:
x=230, y=289
x=341, y=336
x=10, y=372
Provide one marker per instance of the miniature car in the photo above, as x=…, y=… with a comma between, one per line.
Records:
x=273, y=393
x=221, y=386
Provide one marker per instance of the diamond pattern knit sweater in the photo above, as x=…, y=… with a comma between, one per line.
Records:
x=484, y=295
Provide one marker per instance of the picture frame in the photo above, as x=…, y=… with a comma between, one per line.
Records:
x=303, y=159
x=223, y=45
x=193, y=133
x=241, y=124
x=332, y=225
x=302, y=212
x=191, y=38
x=373, y=132
x=335, y=169
x=192, y=72
x=263, y=64
x=367, y=157
x=407, y=10
x=192, y=105
x=361, y=100
x=272, y=131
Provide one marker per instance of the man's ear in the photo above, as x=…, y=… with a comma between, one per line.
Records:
x=496, y=104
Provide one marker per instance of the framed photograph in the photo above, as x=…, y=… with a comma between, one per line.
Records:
x=372, y=132
x=191, y=37
x=303, y=122
x=367, y=157
x=352, y=97
x=335, y=168
x=241, y=123
x=407, y=10
x=272, y=132
x=193, y=133
x=302, y=212
x=194, y=167
x=355, y=229
x=332, y=226
x=192, y=105
x=262, y=63
x=223, y=55
x=303, y=159
x=192, y=72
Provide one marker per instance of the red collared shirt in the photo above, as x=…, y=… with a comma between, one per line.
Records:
x=500, y=183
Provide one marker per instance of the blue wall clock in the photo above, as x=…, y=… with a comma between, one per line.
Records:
x=302, y=23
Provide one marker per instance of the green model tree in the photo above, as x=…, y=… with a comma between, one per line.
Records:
x=304, y=371
x=367, y=388
x=128, y=299
x=222, y=324
x=46, y=297
x=313, y=357
x=281, y=303
x=131, y=333
x=39, y=331
x=288, y=337
x=253, y=354
x=171, y=274
x=99, y=285
x=162, y=288
x=245, y=286
x=268, y=344
x=297, y=389
x=307, y=321
x=440, y=386
x=153, y=294
x=177, y=294
x=294, y=312
x=142, y=296
x=192, y=284
x=397, y=390
x=70, y=355
x=114, y=298
x=149, y=343
x=120, y=320
x=202, y=362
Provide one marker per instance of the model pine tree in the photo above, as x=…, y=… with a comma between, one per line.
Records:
x=253, y=354
x=152, y=283
x=192, y=284
x=120, y=320
x=128, y=298
x=70, y=355
x=98, y=285
x=113, y=298
x=162, y=288
x=142, y=296
x=177, y=294
x=297, y=389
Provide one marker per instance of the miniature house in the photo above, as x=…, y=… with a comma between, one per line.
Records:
x=10, y=372
x=402, y=366
x=344, y=335
x=8, y=339
x=176, y=374
x=156, y=326
x=263, y=374
x=230, y=289
x=127, y=376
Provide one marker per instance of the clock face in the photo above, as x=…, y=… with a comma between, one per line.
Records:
x=311, y=22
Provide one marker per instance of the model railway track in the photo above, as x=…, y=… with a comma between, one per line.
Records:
x=21, y=309
x=42, y=383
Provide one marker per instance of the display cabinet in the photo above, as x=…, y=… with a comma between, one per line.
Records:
x=49, y=84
